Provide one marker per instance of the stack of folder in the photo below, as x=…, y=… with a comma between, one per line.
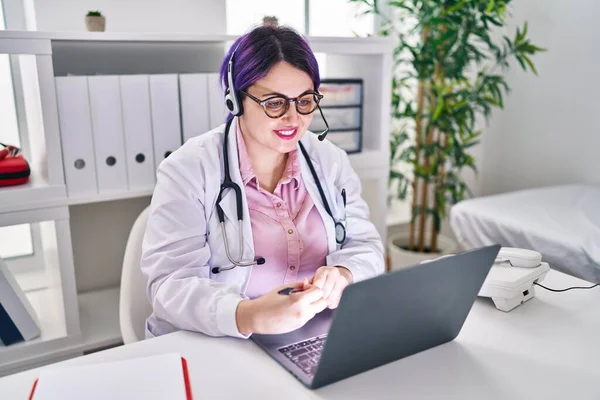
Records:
x=18, y=321
x=117, y=129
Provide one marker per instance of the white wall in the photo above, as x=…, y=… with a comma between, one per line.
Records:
x=549, y=132
x=179, y=16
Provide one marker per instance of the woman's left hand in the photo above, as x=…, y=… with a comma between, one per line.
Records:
x=332, y=281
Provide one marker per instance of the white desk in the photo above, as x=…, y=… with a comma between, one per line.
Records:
x=548, y=348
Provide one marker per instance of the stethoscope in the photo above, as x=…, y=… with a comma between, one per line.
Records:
x=340, y=228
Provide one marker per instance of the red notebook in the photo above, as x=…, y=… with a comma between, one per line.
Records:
x=164, y=376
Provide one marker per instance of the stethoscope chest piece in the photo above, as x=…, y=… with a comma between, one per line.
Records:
x=340, y=232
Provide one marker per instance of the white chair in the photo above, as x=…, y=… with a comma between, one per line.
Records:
x=134, y=307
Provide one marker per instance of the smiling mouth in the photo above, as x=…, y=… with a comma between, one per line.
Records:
x=286, y=134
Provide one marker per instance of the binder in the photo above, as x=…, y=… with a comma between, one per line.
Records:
x=76, y=135
x=164, y=376
x=107, y=129
x=166, y=125
x=18, y=320
x=216, y=101
x=137, y=130
x=193, y=89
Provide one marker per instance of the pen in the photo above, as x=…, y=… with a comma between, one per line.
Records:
x=289, y=290
x=344, y=196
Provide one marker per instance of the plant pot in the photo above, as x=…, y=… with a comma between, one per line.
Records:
x=95, y=24
x=401, y=258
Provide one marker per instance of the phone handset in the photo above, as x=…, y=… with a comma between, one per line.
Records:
x=517, y=257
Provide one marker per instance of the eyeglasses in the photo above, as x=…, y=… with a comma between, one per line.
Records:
x=276, y=106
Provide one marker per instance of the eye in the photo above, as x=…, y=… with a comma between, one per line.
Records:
x=275, y=103
x=306, y=101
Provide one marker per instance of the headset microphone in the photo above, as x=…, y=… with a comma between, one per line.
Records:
x=324, y=133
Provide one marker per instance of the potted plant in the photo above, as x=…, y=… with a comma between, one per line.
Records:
x=95, y=21
x=449, y=57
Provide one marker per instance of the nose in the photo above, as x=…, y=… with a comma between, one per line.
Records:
x=291, y=114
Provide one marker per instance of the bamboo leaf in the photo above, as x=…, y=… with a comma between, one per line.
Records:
x=531, y=66
x=471, y=144
x=456, y=7
x=397, y=175
x=438, y=110
x=520, y=60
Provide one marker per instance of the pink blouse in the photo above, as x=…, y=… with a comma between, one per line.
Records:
x=286, y=226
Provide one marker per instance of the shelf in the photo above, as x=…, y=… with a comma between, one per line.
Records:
x=99, y=318
x=35, y=194
x=97, y=198
x=333, y=45
x=53, y=342
x=367, y=164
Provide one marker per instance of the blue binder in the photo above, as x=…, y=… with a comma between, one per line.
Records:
x=9, y=333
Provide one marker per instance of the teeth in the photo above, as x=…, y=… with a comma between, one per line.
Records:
x=287, y=133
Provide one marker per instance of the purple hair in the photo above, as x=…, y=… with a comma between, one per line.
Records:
x=261, y=49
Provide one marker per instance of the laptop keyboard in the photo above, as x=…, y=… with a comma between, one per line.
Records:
x=305, y=354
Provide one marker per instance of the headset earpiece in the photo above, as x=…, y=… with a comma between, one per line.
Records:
x=232, y=100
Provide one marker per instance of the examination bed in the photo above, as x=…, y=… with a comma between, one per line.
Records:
x=560, y=222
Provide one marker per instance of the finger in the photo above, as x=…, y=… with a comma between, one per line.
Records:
x=336, y=294
x=320, y=277
x=318, y=306
x=305, y=284
x=330, y=283
x=308, y=296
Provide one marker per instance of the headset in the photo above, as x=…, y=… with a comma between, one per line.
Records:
x=232, y=100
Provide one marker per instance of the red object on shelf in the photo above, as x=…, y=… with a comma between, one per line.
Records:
x=14, y=169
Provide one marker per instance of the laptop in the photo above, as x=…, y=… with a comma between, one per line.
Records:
x=384, y=319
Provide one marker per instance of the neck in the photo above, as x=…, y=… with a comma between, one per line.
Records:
x=268, y=165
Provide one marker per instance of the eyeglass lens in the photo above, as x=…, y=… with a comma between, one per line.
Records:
x=277, y=106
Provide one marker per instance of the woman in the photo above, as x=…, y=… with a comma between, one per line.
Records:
x=280, y=230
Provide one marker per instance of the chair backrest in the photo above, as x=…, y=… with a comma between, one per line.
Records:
x=134, y=307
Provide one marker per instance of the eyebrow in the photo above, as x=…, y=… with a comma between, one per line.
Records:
x=281, y=94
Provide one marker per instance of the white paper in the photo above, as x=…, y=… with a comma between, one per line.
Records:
x=150, y=378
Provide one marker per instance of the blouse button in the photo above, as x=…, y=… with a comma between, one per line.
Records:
x=292, y=267
x=290, y=231
x=278, y=204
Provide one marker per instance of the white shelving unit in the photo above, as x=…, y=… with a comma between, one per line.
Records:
x=52, y=296
x=79, y=314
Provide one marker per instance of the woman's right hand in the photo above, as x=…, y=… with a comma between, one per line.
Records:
x=274, y=313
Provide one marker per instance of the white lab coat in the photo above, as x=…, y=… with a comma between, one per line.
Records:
x=183, y=240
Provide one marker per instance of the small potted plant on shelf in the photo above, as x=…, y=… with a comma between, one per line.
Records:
x=95, y=21
x=270, y=20
x=448, y=59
